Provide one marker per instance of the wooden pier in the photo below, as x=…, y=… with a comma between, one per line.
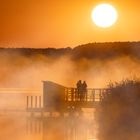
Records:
x=58, y=98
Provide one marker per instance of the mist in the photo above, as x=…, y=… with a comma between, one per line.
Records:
x=19, y=71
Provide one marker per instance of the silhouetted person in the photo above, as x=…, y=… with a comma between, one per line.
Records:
x=79, y=89
x=84, y=90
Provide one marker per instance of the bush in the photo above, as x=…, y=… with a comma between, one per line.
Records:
x=118, y=115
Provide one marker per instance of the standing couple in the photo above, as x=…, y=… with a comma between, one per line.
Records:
x=81, y=90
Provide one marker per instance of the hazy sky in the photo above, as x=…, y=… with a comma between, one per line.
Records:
x=63, y=23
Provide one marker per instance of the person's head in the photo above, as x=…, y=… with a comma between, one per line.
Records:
x=79, y=82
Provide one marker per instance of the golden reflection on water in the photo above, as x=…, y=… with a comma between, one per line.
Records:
x=20, y=127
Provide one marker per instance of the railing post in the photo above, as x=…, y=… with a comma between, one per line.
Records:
x=27, y=99
x=39, y=101
x=76, y=94
x=72, y=94
x=93, y=95
x=31, y=101
x=66, y=94
x=100, y=95
x=85, y=96
x=35, y=101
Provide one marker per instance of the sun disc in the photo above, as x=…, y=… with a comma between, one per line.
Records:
x=104, y=15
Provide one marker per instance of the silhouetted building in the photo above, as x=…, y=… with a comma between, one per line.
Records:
x=53, y=96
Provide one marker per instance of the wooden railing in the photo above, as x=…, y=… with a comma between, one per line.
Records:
x=34, y=102
x=90, y=95
x=70, y=95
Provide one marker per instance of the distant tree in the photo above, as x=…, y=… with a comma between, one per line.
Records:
x=118, y=115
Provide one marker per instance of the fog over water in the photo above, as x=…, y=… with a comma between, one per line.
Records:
x=20, y=127
x=18, y=71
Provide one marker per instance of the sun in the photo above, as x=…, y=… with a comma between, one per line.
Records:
x=104, y=15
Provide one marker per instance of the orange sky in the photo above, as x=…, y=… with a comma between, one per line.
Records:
x=63, y=23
